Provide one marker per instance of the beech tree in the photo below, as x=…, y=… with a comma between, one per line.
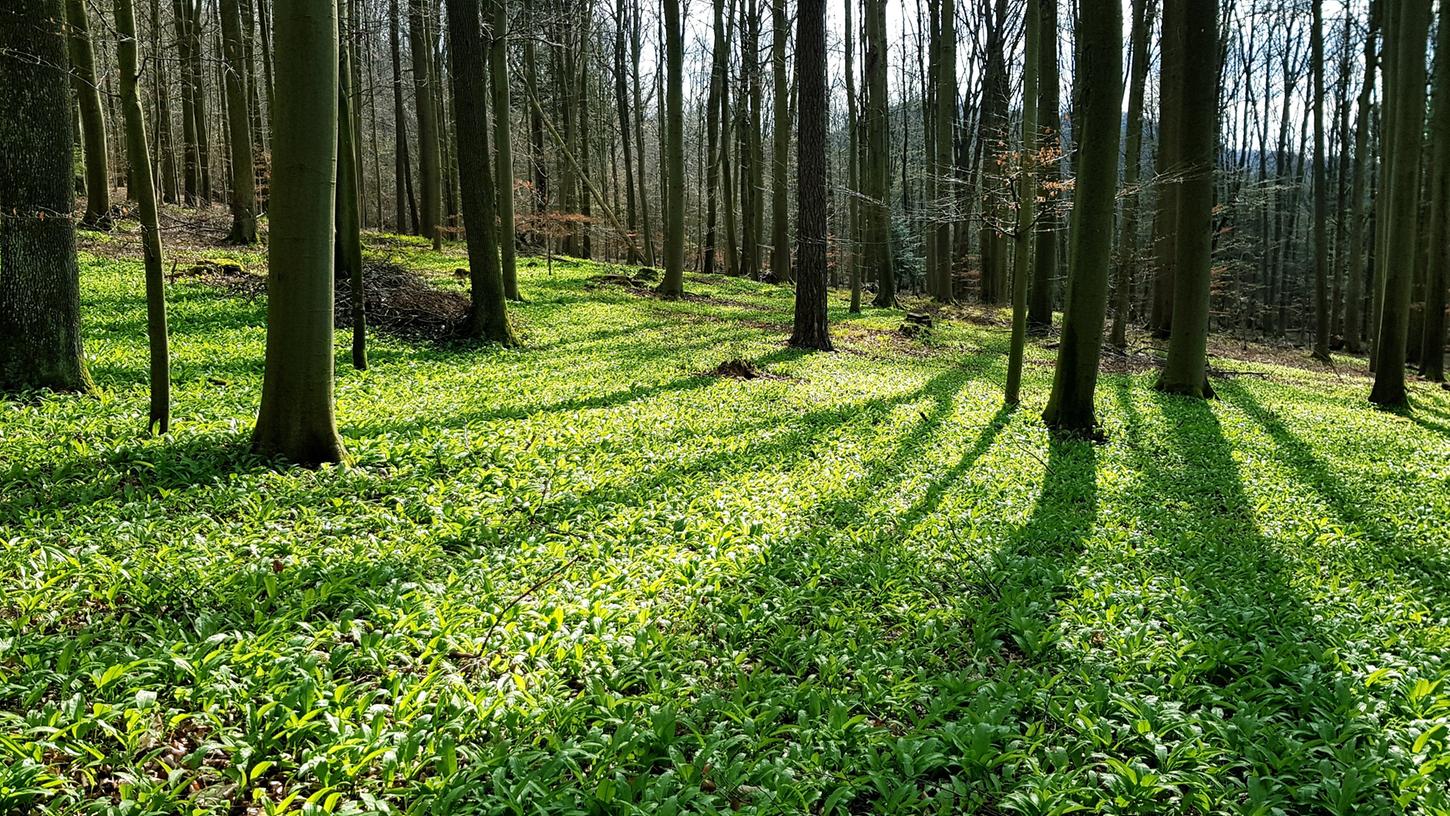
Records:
x=243, y=181
x=1191, y=27
x=138, y=155
x=1432, y=353
x=93, y=118
x=1070, y=407
x=40, y=322
x=811, y=329
x=673, y=284
x=296, y=420
x=1405, y=43
x=1026, y=207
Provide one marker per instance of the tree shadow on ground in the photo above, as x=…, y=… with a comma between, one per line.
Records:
x=1238, y=677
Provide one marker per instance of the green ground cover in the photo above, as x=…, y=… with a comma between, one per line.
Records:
x=586, y=577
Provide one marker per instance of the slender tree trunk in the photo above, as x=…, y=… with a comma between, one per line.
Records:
x=1405, y=46
x=644, y=208
x=1354, y=285
x=1132, y=160
x=621, y=101
x=430, y=163
x=1196, y=32
x=504, y=145
x=853, y=166
x=244, y=191
x=1432, y=351
x=1049, y=125
x=1321, y=190
x=879, y=261
x=93, y=120
x=347, y=248
x=145, y=192
x=1026, y=205
x=780, y=166
x=296, y=420
x=944, y=146
x=811, y=329
x=673, y=284
x=1070, y=407
x=1169, y=173
x=40, y=323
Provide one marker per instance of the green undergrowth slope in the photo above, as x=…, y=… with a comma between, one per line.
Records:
x=588, y=576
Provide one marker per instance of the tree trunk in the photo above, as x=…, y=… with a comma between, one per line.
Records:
x=137, y=153
x=1049, y=126
x=347, y=250
x=1196, y=114
x=244, y=192
x=40, y=324
x=296, y=419
x=780, y=165
x=1132, y=158
x=1405, y=46
x=1321, y=189
x=853, y=166
x=1354, y=285
x=504, y=145
x=430, y=165
x=1432, y=351
x=1070, y=407
x=621, y=101
x=811, y=329
x=1026, y=204
x=673, y=284
x=944, y=148
x=1169, y=173
x=93, y=120
x=879, y=261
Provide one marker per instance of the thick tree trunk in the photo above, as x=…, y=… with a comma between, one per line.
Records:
x=137, y=153
x=1070, y=407
x=1405, y=44
x=1186, y=370
x=488, y=318
x=40, y=324
x=244, y=191
x=811, y=329
x=297, y=420
x=673, y=284
x=93, y=120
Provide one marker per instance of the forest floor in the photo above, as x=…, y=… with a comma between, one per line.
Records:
x=589, y=575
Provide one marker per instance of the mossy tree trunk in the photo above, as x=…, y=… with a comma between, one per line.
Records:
x=673, y=284
x=1026, y=207
x=40, y=323
x=1070, y=407
x=1196, y=114
x=488, y=317
x=138, y=155
x=93, y=117
x=1405, y=44
x=239, y=122
x=297, y=421
x=811, y=329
